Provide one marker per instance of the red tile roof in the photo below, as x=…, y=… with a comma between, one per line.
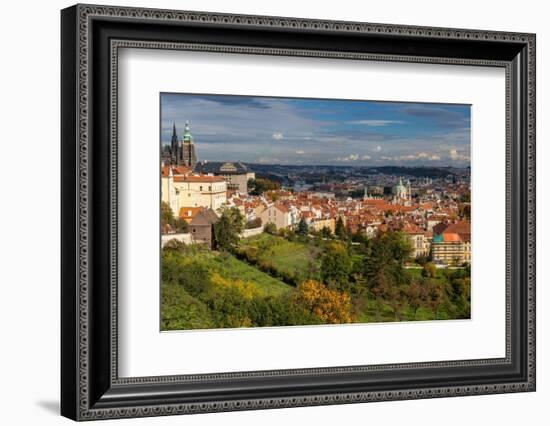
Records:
x=198, y=178
x=188, y=213
x=176, y=170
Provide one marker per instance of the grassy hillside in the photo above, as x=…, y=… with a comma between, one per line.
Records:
x=292, y=260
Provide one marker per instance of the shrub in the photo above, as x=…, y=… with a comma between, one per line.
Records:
x=270, y=228
x=255, y=223
x=174, y=244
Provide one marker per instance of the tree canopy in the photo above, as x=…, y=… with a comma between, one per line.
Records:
x=303, y=228
x=331, y=306
x=336, y=265
x=167, y=219
x=229, y=228
x=260, y=185
x=340, y=231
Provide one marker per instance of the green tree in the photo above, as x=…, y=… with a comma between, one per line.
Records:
x=181, y=311
x=193, y=277
x=417, y=294
x=429, y=270
x=166, y=214
x=167, y=218
x=303, y=228
x=325, y=232
x=336, y=265
x=228, y=228
x=282, y=310
x=435, y=297
x=387, y=279
x=340, y=231
x=180, y=225
x=260, y=185
x=457, y=291
x=387, y=253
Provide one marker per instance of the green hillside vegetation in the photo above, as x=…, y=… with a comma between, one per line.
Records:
x=292, y=279
x=290, y=261
x=182, y=264
x=210, y=289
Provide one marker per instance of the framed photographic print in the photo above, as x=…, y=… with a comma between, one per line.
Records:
x=263, y=212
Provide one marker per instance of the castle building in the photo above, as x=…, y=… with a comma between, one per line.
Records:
x=183, y=189
x=236, y=174
x=180, y=152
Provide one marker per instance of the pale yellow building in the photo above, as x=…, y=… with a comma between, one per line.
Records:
x=420, y=243
x=319, y=224
x=452, y=252
x=453, y=246
x=193, y=190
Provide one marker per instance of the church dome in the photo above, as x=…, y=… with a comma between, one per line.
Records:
x=399, y=190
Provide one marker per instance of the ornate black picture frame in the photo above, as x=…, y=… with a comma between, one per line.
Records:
x=91, y=37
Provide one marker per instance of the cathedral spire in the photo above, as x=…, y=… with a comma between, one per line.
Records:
x=174, y=137
x=187, y=137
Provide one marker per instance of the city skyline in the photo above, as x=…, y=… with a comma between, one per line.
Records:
x=303, y=131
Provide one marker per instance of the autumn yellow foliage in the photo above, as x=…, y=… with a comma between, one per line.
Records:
x=246, y=289
x=331, y=306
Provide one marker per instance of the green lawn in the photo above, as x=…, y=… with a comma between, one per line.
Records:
x=286, y=257
x=439, y=275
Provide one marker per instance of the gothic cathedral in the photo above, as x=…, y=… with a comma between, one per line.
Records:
x=180, y=152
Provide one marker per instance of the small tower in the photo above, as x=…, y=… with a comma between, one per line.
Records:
x=187, y=137
x=188, y=157
x=365, y=194
x=409, y=190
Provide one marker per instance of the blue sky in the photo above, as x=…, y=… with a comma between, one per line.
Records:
x=320, y=131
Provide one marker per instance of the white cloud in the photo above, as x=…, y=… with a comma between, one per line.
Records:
x=412, y=157
x=267, y=160
x=300, y=152
x=453, y=154
x=377, y=148
x=351, y=157
x=376, y=123
x=456, y=156
x=277, y=136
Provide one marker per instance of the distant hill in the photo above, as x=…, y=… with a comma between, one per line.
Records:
x=430, y=172
x=276, y=171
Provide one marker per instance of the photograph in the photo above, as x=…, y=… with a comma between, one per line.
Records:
x=269, y=208
x=279, y=211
